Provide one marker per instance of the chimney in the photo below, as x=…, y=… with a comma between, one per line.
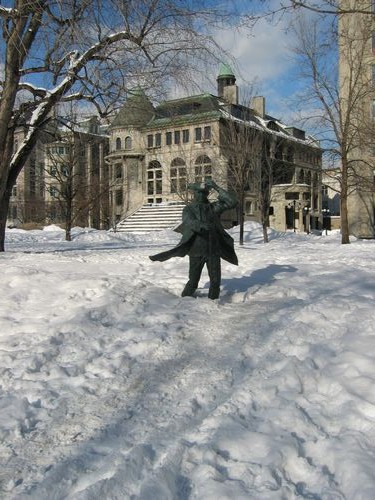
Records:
x=258, y=103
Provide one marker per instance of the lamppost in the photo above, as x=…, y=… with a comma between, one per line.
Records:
x=306, y=211
x=292, y=204
x=325, y=212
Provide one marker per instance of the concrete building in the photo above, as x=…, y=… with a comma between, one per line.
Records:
x=155, y=151
x=65, y=171
x=356, y=86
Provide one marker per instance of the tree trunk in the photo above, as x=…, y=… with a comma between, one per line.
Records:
x=68, y=220
x=241, y=218
x=265, y=232
x=344, y=204
x=4, y=206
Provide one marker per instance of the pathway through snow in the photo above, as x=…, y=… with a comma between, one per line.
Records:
x=115, y=387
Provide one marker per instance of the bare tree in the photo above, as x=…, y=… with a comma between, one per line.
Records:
x=74, y=182
x=242, y=144
x=72, y=50
x=338, y=104
x=273, y=11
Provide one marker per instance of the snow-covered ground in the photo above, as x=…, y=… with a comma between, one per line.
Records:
x=112, y=386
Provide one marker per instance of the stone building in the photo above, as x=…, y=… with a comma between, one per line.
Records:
x=357, y=95
x=65, y=171
x=155, y=151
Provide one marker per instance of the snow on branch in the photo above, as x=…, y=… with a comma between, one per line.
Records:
x=36, y=91
x=7, y=12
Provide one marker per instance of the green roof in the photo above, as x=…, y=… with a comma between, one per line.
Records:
x=136, y=112
x=225, y=70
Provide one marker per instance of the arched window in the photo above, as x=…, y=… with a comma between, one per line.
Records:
x=128, y=142
x=178, y=176
x=301, y=176
x=203, y=168
x=118, y=143
x=154, y=180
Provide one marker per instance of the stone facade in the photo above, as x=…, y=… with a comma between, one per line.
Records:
x=64, y=156
x=155, y=151
x=357, y=64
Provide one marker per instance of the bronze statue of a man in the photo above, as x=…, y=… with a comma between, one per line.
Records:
x=204, y=239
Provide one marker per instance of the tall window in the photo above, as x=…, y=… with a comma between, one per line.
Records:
x=118, y=171
x=203, y=168
x=178, y=176
x=158, y=140
x=185, y=136
x=118, y=143
x=207, y=133
x=128, y=142
x=168, y=138
x=154, y=178
x=150, y=141
x=177, y=137
x=118, y=197
x=198, y=134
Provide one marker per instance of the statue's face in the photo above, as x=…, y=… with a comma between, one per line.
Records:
x=200, y=197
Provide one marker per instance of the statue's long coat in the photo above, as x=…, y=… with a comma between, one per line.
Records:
x=222, y=242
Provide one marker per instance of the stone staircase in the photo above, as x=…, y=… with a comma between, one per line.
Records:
x=152, y=217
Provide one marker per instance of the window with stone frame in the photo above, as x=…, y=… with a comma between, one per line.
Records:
x=128, y=142
x=203, y=168
x=118, y=171
x=118, y=197
x=186, y=136
x=198, y=134
x=154, y=178
x=168, y=138
x=178, y=176
x=207, y=133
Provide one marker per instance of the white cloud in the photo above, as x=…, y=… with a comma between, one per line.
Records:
x=260, y=55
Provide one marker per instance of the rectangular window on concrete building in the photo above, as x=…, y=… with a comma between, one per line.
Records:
x=150, y=141
x=168, y=138
x=373, y=110
x=158, y=140
x=118, y=171
x=207, y=133
x=198, y=134
x=118, y=197
x=177, y=137
x=185, y=136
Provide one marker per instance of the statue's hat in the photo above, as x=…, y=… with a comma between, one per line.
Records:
x=200, y=187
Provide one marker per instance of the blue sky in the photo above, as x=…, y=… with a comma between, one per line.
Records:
x=262, y=61
x=260, y=58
